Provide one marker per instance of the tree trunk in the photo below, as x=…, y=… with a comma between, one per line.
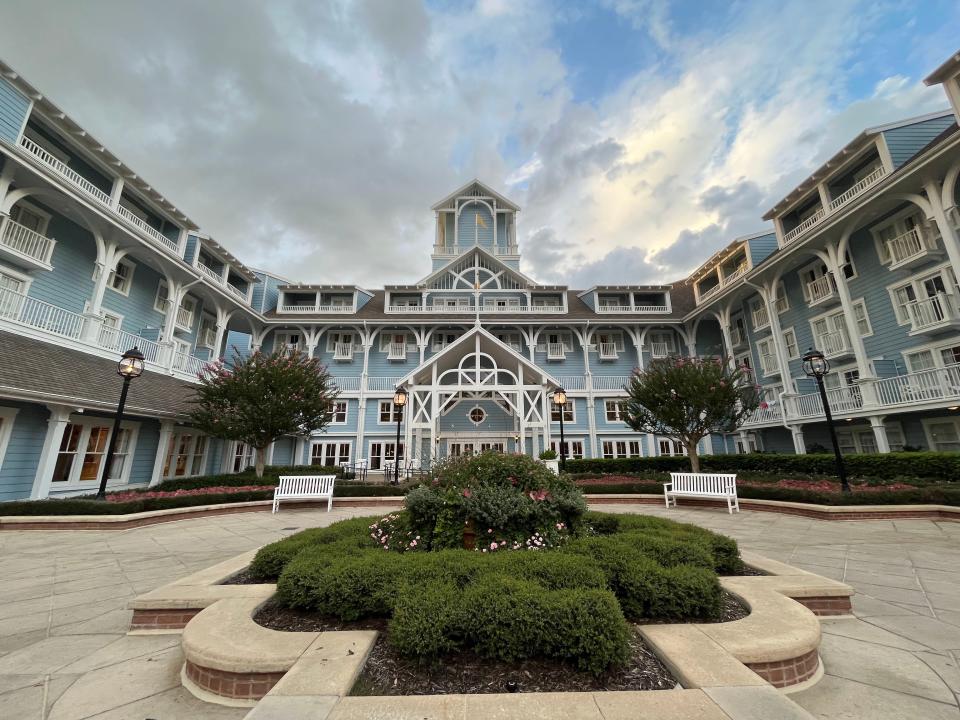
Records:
x=261, y=457
x=694, y=458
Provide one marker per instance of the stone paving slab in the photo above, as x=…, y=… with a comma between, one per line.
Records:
x=37, y=568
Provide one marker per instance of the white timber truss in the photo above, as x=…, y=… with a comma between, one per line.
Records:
x=477, y=367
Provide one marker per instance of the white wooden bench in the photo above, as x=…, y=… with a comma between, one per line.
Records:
x=708, y=485
x=304, y=487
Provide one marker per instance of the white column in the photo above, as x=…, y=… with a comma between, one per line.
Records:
x=783, y=360
x=115, y=192
x=799, y=446
x=651, y=445
x=299, y=450
x=835, y=266
x=948, y=235
x=91, y=324
x=879, y=433
x=268, y=460
x=59, y=417
x=163, y=448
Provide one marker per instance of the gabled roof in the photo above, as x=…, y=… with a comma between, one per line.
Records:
x=949, y=68
x=246, y=272
x=848, y=151
x=297, y=287
x=517, y=275
x=452, y=349
x=624, y=288
x=723, y=253
x=478, y=189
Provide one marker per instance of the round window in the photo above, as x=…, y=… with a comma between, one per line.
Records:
x=477, y=415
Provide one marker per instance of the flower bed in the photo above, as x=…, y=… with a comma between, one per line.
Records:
x=120, y=497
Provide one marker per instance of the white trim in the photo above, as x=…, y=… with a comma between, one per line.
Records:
x=113, y=273
x=619, y=406
x=897, y=219
x=30, y=207
x=173, y=452
x=8, y=416
x=615, y=451
x=786, y=345
x=73, y=483
x=915, y=280
x=337, y=446
x=16, y=274
x=346, y=413
x=393, y=412
x=926, y=422
x=571, y=406
x=555, y=446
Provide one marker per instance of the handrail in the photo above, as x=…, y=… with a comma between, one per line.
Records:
x=28, y=242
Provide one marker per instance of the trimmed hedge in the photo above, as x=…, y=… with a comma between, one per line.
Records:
x=937, y=466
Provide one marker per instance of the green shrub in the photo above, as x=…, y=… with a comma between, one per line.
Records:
x=270, y=560
x=428, y=620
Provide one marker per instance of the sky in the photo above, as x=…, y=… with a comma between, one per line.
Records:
x=638, y=136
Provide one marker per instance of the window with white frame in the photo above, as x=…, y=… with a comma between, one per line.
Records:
x=894, y=229
x=670, y=447
x=569, y=414
x=862, y=440
x=7, y=418
x=555, y=337
x=781, y=302
x=288, y=341
x=574, y=448
x=768, y=355
x=614, y=411
x=330, y=452
x=441, y=340
x=862, y=318
x=243, y=456
x=943, y=434
x=13, y=284
x=904, y=295
x=610, y=338
x=82, y=452
x=30, y=216
x=843, y=376
x=613, y=449
x=207, y=334
x=187, y=455
x=501, y=303
x=815, y=271
x=339, y=414
x=830, y=333
x=790, y=343
x=404, y=340
x=510, y=338
x=748, y=446
x=121, y=277
x=162, y=297
x=476, y=415
x=338, y=337
x=451, y=302
x=382, y=453
x=665, y=338
x=389, y=413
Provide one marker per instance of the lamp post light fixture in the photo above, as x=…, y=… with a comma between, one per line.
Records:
x=516, y=443
x=815, y=365
x=399, y=400
x=129, y=367
x=560, y=400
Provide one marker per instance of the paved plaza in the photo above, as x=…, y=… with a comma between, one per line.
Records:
x=64, y=654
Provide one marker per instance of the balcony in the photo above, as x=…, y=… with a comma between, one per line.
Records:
x=69, y=327
x=836, y=204
x=834, y=344
x=769, y=365
x=765, y=414
x=218, y=279
x=207, y=337
x=912, y=248
x=607, y=351
x=926, y=386
x=933, y=314
x=80, y=183
x=472, y=309
x=760, y=317
x=383, y=384
x=343, y=351
x=659, y=350
x=842, y=400
x=738, y=336
x=188, y=364
x=633, y=309
x=556, y=351
x=455, y=250
x=397, y=351
x=26, y=245
x=609, y=382
x=242, y=295
x=573, y=382
x=703, y=295
x=822, y=291
x=209, y=272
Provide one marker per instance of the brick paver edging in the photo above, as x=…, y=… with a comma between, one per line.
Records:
x=134, y=520
x=234, y=685
x=784, y=673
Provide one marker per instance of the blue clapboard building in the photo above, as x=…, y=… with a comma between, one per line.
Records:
x=861, y=262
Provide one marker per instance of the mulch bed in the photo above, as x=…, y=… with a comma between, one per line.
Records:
x=242, y=578
x=387, y=672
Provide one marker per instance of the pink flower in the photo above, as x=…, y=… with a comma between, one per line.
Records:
x=467, y=493
x=493, y=546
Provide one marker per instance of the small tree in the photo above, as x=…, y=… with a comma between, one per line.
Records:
x=686, y=399
x=263, y=398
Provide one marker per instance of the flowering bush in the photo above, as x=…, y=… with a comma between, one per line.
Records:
x=119, y=497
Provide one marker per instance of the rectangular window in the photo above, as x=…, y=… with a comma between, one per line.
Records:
x=69, y=445
x=288, y=342
x=199, y=455
x=96, y=449
x=382, y=453
x=512, y=339
x=574, y=448
x=790, y=341
x=388, y=339
x=163, y=295
x=920, y=361
x=613, y=410
x=950, y=355
x=121, y=455
x=330, y=453
x=337, y=338
x=613, y=449
x=339, y=416
x=672, y=448
x=243, y=457
x=442, y=340
x=943, y=434
x=568, y=412
x=121, y=278
x=389, y=413
x=863, y=320
x=30, y=217
x=7, y=417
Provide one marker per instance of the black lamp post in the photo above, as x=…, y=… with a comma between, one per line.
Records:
x=560, y=400
x=399, y=400
x=129, y=367
x=815, y=365
x=516, y=443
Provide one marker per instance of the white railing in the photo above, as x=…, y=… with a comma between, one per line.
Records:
x=298, y=309
x=207, y=338
x=659, y=349
x=760, y=317
x=120, y=341
x=633, y=309
x=148, y=229
x=821, y=288
x=347, y=384
x=186, y=363
x=241, y=294
x=397, y=351
x=610, y=382
x=607, y=351
x=40, y=315
x=184, y=317
x=769, y=364
x=210, y=273
x=382, y=384
x=28, y=242
x=704, y=294
x=737, y=336
x=932, y=311
x=781, y=304
x=343, y=351
x=834, y=343
x=924, y=386
x=738, y=271
x=906, y=247
x=556, y=351
x=804, y=226
x=471, y=309
x=850, y=194
x=573, y=382
x=842, y=399
x=768, y=414
x=454, y=250
x=60, y=167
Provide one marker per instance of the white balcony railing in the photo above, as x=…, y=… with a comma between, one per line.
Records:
x=804, y=226
x=925, y=386
x=573, y=382
x=659, y=349
x=90, y=190
x=835, y=343
x=40, y=315
x=186, y=363
x=556, y=351
x=760, y=317
x=397, y=351
x=347, y=384
x=633, y=309
x=842, y=199
x=240, y=294
x=207, y=338
x=382, y=384
x=842, y=400
x=735, y=273
x=343, y=351
x=705, y=294
x=184, y=318
x=932, y=312
x=765, y=414
x=27, y=242
x=210, y=272
x=454, y=250
x=821, y=289
x=610, y=382
x=298, y=309
x=607, y=351
x=915, y=244
x=737, y=336
x=769, y=365
x=148, y=229
x=119, y=341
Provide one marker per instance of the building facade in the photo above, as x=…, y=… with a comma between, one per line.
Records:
x=862, y=262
